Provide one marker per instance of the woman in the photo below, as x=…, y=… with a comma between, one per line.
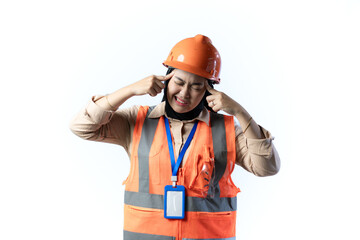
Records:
x=182, y=152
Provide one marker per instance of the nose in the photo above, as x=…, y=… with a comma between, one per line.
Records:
x=185, y=92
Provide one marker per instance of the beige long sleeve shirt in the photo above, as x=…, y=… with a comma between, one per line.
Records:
x=257, y=156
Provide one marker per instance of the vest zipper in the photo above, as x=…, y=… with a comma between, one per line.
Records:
x=179, y=229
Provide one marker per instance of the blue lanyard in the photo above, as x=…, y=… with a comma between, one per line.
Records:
x=175, y=166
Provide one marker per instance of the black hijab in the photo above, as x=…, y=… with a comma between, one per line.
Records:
x=170, y=112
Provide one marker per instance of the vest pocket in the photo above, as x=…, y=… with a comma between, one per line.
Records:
x=145, y=212
x=214, y=215
x=211, y=225
x=201, y=177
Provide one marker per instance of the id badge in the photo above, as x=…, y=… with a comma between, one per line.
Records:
x=174, y=202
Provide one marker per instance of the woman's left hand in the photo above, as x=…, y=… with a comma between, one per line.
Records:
x=220, y=101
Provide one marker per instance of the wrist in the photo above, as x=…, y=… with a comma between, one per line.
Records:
x=129, y=91
x=240, y=112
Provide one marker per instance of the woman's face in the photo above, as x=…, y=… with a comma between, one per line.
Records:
x=185, y=91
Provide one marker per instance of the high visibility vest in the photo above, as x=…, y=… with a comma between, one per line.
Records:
x=210, y=202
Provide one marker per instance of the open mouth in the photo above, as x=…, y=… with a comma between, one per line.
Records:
x=180, y=101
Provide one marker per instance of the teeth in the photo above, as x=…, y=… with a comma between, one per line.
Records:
x=180, y=101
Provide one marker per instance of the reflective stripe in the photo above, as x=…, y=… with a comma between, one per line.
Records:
x=146, y=140
x=220, y=148
x=217, y=204
x=145, y=200
x=231, y=238
x=143, y=236
x=193, y=204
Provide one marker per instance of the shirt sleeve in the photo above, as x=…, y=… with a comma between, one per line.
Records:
x=257, y=156
x=97, y=124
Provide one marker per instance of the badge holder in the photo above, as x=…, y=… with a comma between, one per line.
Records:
x=174, y=202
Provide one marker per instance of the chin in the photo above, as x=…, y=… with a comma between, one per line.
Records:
x=180, y=109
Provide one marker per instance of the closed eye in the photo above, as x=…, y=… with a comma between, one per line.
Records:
x=197, y=86
x=181, y=83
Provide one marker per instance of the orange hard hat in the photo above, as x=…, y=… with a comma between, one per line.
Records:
x=196, y=55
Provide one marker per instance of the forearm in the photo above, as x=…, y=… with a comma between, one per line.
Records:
x=220, y=101
x=249, y=126
x=151, y=85
x=114, y=100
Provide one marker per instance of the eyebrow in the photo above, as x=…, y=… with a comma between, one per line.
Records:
x=179, y=78
x=191, y=84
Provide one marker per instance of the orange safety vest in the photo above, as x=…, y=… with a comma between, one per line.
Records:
x=210, y=209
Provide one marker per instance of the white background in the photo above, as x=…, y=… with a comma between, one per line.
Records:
x=294, y=65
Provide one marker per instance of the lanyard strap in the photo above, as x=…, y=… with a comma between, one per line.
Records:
x=175, y=166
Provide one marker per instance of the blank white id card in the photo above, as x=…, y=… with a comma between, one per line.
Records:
x=174, y=202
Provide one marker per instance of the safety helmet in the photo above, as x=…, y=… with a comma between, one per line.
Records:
x=196, y=55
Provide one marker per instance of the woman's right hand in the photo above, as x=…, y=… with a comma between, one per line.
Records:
x=151, y=85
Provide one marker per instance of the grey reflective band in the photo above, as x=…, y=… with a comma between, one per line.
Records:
x=143, y=236
x=216, y=204
x=193, y=204
x=231, y=238
x=220, y=149
x=146, y=140
x=145, y=200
